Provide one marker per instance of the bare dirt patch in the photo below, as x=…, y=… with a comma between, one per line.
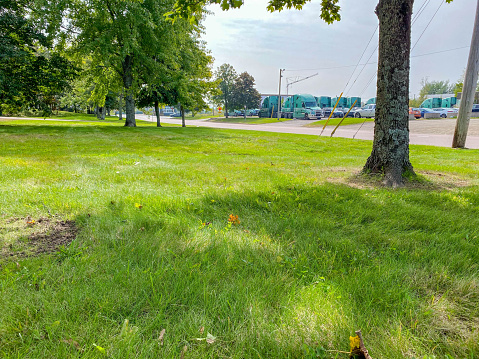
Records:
x=426, y=180
x=26, y=237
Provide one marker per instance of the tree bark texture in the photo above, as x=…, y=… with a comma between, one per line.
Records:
x=120, y=113
x=469, y=88
x=157, y=113
x=127, y=84
x=183, y=123
x=390, y=153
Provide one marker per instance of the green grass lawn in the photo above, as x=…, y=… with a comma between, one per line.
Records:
x=335, y=121
x=85, y=119
x=318, y=252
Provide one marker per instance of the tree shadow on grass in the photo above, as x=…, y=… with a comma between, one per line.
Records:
x=304, y=268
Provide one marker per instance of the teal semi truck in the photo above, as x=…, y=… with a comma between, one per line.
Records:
x=269, y=107
x=323, y=101
x=448, y=102
x=351, y=100
x=301, y=106
x=343, y=102
x=432, y=102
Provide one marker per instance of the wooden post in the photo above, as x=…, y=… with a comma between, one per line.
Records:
x=469, y=89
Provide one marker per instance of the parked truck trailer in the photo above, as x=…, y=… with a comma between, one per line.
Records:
x=301, y=106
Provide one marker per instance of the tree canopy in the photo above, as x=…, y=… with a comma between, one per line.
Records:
x=226, y=75
x=32, y=74
x=128, y=39
x=244, y=94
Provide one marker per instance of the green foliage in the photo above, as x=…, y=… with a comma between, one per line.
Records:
x=131, y=44
x=244, y=95
x=31, y=74
x=435, y=87
x=190, y=8
x=226, y=75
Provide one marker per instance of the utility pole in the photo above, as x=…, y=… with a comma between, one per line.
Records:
x=298, y=80
x=279, y=93
x=469, y=88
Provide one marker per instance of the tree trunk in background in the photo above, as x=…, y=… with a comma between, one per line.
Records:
x=103, y=112
x=157, y=112
x=390, y=153
x=120, y=113
x=127, y=84
x=226, y=109
x=183, y=124
x=469, y=88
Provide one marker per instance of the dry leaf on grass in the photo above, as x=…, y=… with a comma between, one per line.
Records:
x=182, y=356
x=210, y=339
x=160, y=338
x=72, y=342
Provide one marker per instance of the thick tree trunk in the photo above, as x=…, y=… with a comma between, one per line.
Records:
x=226, y=109
x=157, y=113
x=127, y=84
x=120, y=104
x=390, y=153
x=183, y=123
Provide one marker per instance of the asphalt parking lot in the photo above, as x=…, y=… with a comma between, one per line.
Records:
x=431, y=132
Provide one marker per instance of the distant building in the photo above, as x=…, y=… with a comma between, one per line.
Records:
x=476, y=96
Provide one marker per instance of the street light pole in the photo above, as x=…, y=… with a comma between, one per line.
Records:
x=279, y=93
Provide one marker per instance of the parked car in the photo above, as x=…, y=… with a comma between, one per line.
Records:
x=445, y=112
x=176, y=114
x=337, y=112
x=415, y=111
x=428, y=110
x=367, y=111
x=475, y=108
x=254, y=112
x=351, y=113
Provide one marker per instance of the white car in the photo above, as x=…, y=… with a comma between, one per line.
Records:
x=367, y=111
x=445, y=112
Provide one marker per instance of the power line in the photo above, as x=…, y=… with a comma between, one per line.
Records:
x=433, y=16
x=360, y=60
x=419, y=12
x=375, y=62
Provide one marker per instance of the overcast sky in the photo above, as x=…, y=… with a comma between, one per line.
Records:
x=254, y=40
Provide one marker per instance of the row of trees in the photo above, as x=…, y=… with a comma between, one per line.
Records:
x=237, y=91
x=101, y=54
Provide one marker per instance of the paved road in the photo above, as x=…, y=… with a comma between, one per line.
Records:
x=422, y=132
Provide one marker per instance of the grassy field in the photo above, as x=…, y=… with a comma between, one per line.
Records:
x=335, y=121
x=315, y=252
